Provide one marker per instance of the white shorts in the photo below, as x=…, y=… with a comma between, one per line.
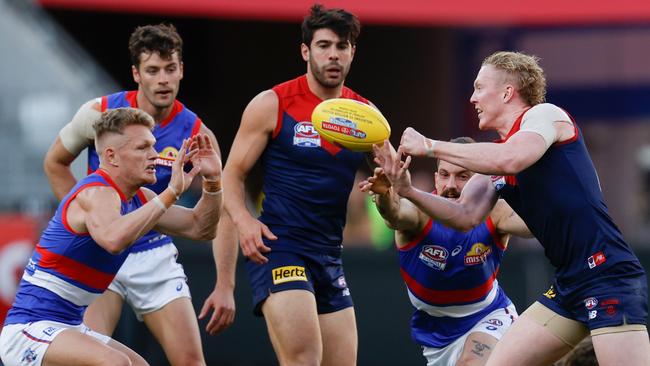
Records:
x=495, y=324
x=25, y=344
x=151, y=279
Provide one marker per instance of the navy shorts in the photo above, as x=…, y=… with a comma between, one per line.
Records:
x=319, y=273
x=617, y=296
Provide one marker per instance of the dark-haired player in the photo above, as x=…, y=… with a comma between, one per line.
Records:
x=294, y=247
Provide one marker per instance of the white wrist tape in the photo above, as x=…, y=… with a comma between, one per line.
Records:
x=430, y=145
x=159, y=203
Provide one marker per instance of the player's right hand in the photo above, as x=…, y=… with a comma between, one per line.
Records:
x=250, y=239
x=413, y=143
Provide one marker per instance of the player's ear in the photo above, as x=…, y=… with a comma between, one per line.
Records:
x=508, y=93
x=304, y=51
x=136, y=74
x=181, y=69
x=354, y=49
x=110, y=156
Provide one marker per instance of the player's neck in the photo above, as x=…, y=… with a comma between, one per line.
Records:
x=321, y=91
x=508, y=119
x=158, y=114
x=121, y=181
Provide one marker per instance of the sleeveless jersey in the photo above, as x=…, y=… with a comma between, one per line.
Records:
x=451, y=280
x=560, y=200
x=170, y=133
x=67, y=269
x=307, y=181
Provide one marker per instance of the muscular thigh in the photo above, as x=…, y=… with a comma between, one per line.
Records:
x=339, y=333
x=103, y=314
x=293, y=323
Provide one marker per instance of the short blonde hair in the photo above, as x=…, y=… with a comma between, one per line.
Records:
x=115, y=120
x=526, y=72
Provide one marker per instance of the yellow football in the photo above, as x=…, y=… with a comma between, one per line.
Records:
x=350, y=124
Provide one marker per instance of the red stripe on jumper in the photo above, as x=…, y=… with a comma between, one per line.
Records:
x=74, y=270
x=444, y=297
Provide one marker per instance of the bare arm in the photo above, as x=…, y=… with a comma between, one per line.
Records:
x=521, y=150
x=257, y=124
x=474, y=204
x=96, y=210
x=507, y=221
x=399, y=214
x=224, y=249
x=72, y=139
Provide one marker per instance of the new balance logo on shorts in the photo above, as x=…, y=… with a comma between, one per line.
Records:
x=288, y=274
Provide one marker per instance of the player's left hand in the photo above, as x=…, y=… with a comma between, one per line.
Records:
x=377, y=184
x=206, y=157
x=393, y=167
x=223, y=303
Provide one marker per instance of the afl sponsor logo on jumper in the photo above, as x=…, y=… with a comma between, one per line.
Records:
x=288, y=274
x=596, y=260
x=305, y=135
x=477, y=254
x=434, y=256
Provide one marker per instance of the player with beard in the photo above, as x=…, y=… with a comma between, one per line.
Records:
x=449, y=270
x=294, y=247
x=150, y=281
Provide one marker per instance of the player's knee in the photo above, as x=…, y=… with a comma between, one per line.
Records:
x=116, y=358
x=307, y=357
x=189, y=359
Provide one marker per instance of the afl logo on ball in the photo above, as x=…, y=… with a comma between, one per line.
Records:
x=434, y=256
x=305, y=135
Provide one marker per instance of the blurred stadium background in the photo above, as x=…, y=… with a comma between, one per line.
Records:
x=416, y=60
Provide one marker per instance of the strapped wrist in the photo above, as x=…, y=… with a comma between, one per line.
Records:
x=173, y=191
x=430, y=144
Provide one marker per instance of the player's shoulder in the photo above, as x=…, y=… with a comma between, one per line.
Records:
x=290, y=88
x=547, y=110
x=351, y=94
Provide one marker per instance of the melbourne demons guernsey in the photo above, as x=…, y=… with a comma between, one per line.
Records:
x=68, y=270
x=451, y=280
x=170, y=133
x=560, y=200
x=307, y=181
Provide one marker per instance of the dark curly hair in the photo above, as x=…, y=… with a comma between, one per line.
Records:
x=344, y=24
x=162, y=39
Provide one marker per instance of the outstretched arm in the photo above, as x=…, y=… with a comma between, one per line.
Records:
x=474, y=204
x=520, y=151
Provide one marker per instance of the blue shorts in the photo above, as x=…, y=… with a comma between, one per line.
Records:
x=617, y=296
x=320, y=273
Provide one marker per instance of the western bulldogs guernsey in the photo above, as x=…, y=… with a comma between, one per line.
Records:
x=451, y=280
x=307, y=181
x=170, y=133
x=560, y=200
x=67, y=270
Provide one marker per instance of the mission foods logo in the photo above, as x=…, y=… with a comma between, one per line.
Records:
x=167, y=156
x=434, y=256
x=477, y=254
x=288, y=274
